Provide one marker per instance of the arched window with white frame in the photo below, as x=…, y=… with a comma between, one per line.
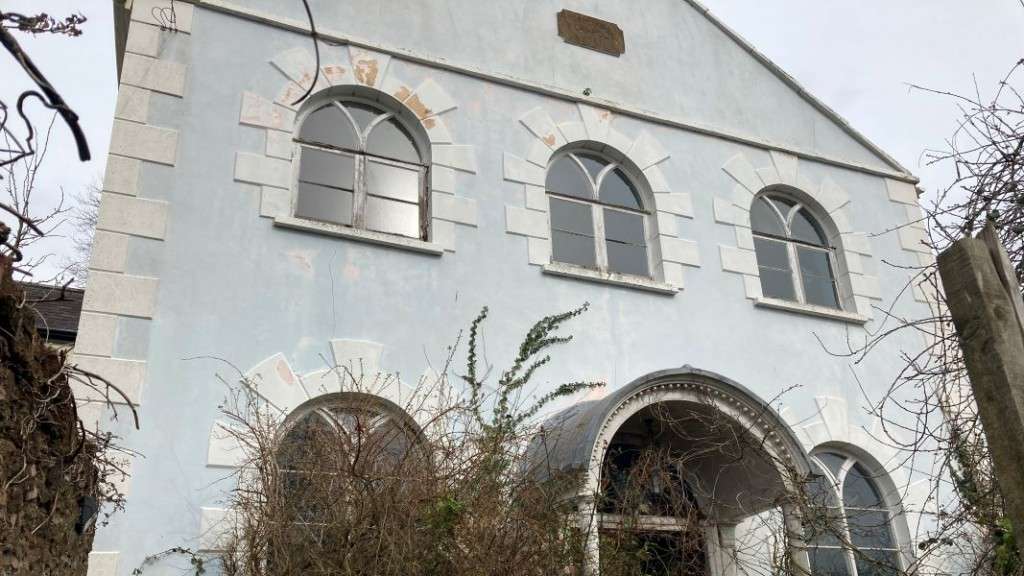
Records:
x=598, y=217
x=336, y=453
x=851, y=533
x=361, y=167
x=794, y=258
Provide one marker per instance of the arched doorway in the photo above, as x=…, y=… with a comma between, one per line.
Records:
x=672, y=463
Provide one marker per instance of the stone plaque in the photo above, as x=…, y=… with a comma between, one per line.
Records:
x=590, y=32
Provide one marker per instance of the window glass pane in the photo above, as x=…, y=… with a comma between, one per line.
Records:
x=319, y=167
x=834, y=462
x=782, y=203
x=391, y=181
x=824, y=527
x=763, y=219
x=392, y=217
x=390, y=140
x=777, y=284
x=805, y=229
x=565, y=177
x=593, y=164
x=363, y=114
x=573, y=217
x=869, y=528
x=820, y=292
x=816, y=273
x=322, y=203
x=814, y=262
x=771, y=253
x=859, y=491
x=618, y=190
x=328, y=125
x=624, y=227
x=627, y=258
x=828, y=562
x=821, y=488
x=573, y=249
x=877, y=563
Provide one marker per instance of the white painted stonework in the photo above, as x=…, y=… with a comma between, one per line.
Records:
x=272, y=168
x=856, y=290
x=670, y=252
x=125, y=214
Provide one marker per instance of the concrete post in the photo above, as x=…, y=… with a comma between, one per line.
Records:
x=984, y=309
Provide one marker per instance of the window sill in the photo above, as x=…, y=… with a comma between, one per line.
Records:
x=624, y=280
x=812, y=310
x=339, y=231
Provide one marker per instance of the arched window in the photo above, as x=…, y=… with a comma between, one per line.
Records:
x=597, y=216
x=794, y=258
x=851, y=533
x=336, y=454
x=359, y=166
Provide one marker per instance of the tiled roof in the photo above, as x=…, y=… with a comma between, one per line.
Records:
x=57, y=313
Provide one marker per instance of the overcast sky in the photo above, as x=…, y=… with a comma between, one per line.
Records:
x=858, y=57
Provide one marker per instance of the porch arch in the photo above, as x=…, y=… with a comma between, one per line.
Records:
x=755, y=463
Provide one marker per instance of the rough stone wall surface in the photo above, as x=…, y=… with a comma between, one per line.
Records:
x=45, y=468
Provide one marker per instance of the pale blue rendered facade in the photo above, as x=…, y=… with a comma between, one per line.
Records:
x=198, y=257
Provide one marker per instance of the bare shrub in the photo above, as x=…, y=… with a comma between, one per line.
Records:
x=454, y=482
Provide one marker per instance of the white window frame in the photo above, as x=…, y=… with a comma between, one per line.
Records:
x=792, y=246
x=360, y=188
x=597, y=213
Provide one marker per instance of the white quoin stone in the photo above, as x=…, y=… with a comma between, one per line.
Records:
x=526, y=222
x=516, y=169
x=646, y=151
x=120, y=294
x=538, y=122
x=429, y=99
x=132, y=103
x=259, y=111
x=357, y=355
x=257, y=169
x=122, y=175
x=368, y=66
x=274, y=381
x=738, y=260
x=225, y=449
x=103, y=563
x=143, y=39
x=127, y=375
x=296, y=64
x=153, y=74
x=109, y=251
x=134, y=216
x=144, y=142
x=596, y=120
x=744, y=173
x=96, y=333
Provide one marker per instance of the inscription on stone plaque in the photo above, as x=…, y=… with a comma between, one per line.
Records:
x=590, y=32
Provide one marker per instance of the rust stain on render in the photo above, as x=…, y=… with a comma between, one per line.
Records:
x=285, y=373
x=549, y=140
x=418, y=108
x=333, y=73
x=402, y=93
x=366, y=70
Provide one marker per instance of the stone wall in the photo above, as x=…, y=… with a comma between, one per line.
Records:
x=47, y=470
